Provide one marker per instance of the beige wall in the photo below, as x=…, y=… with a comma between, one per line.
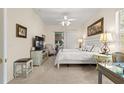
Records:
x=109, y=24
x=20, y=47
x=50, y=32
x=1, y=45
x=109, y=15
x=1, y=32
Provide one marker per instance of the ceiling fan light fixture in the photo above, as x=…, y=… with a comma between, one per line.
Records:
x=65, y=17
x=68, y=23
x=63, y=23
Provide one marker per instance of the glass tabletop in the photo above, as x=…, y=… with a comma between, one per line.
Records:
x=117, y=68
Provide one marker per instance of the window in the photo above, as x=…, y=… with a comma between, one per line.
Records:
x=121, y=29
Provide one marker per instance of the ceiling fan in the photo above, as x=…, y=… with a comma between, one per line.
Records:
x=66, y=21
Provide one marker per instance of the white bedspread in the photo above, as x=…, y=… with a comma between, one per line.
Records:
x=73, y=54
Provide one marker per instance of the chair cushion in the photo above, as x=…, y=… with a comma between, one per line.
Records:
x=118, y=57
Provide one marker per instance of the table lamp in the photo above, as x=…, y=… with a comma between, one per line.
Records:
x=80, y=42
x=105, y=38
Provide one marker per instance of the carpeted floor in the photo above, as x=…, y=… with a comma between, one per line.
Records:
x=47, y=73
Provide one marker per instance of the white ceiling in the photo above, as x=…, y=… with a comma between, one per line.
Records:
x=51, y=15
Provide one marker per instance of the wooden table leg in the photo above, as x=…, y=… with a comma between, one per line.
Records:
x=58, y=65
x=14, y=70
x=67, y=65
x=99, y=77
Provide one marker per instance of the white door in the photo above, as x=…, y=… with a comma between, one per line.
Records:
x=3, y=53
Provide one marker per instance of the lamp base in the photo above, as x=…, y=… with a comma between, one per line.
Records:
x=79, y=45
x=105, y=49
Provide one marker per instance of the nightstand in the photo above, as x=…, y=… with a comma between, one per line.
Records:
x=103, y=58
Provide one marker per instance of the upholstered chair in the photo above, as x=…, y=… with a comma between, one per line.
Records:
x=118, y=57
x=50, y=49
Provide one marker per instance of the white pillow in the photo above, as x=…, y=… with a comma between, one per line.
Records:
x=88, y=48
x=96, y=49
x=83, y=48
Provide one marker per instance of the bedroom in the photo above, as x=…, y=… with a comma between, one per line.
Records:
x=49, y=21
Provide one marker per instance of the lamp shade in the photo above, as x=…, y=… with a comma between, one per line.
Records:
x=80, y=40
x=63, y=23
x=106, y=37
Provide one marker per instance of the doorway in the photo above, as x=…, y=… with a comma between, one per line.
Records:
x=59, y=40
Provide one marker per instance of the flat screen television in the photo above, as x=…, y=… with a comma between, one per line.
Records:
x=39, y=43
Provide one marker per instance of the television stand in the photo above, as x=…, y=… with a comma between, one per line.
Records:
x=45, y=55
x=39, y=57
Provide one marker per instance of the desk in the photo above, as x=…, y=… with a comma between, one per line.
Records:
x=112, y=72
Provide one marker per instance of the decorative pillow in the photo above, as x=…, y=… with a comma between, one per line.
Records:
x=92, y=48
x=95, y=49
x=88, y=48
x=83, y=48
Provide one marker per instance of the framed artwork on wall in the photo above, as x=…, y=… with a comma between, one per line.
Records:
x=21, y=31
x=96, y=28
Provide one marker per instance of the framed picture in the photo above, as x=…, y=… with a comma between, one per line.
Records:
x=21, y=31
x=96, y=28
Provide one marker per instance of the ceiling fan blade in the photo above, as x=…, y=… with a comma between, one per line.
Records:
x=71, y=19
x=65, y=17
x=59, y=19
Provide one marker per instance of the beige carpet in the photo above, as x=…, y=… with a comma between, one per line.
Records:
x=47, y=73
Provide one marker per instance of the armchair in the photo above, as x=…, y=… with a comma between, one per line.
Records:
x=51, y=50
x=118, y=57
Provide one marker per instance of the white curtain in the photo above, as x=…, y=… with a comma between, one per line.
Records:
x=71, y=39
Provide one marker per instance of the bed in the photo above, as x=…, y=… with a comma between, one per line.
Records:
x=74, y=56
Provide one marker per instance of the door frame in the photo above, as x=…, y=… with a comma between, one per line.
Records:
x=4, y=46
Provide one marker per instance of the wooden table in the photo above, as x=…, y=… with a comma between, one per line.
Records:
x=110, y=74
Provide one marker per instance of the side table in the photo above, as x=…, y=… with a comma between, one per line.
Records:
x=102, y=58
x=23, y=67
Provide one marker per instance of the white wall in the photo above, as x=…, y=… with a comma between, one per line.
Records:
x=109, y=24
x=20, y=47
x=109, y=15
